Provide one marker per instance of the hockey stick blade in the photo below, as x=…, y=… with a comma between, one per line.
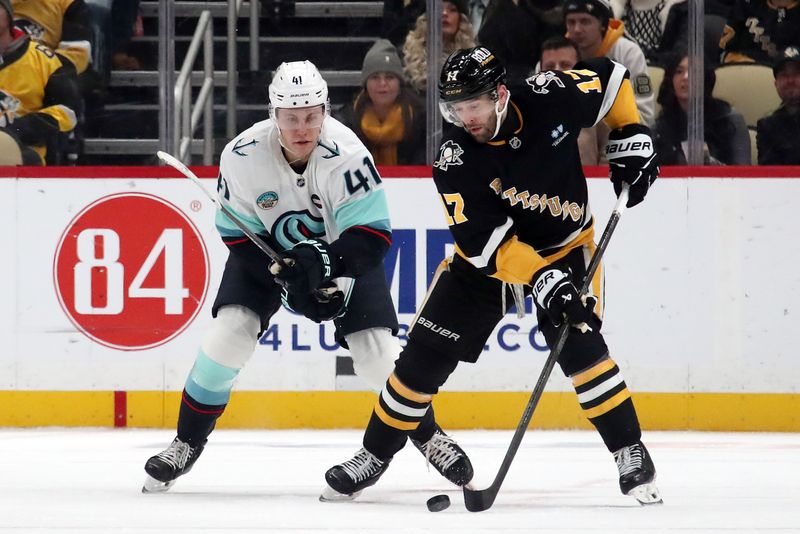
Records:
x=480, y=500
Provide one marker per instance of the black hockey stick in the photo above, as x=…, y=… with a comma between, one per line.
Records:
x=480, y=500
x=322, y=295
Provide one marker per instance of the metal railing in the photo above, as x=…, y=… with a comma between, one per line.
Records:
x=187, y=115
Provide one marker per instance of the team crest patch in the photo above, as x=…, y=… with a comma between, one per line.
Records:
x=449, y=154
x=540, y=81
x=268, y=200
x=515, y=142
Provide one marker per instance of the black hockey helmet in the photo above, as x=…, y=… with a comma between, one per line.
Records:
x=470, y=72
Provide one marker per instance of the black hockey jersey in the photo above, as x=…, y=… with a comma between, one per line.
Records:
x=520, y=201
x=759, y=31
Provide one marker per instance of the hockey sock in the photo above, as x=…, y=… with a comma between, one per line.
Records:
x=607, y=404
x=426, y=428
x=398, y=412
x=196, y=420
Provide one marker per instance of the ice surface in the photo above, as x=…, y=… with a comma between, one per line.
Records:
x=89, y=481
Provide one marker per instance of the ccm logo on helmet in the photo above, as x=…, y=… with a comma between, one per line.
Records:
x=435, y=328
x=638, y=145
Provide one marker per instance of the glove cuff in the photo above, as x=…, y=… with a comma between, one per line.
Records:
x=546, y=280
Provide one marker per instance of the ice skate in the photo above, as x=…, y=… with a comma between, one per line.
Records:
x=166, y=466
x=348, y=479
x=447, y=457
x=637, y=474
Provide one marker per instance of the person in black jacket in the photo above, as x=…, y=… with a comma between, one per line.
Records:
x=386, y=115
x=726, y=138
x=778, y=135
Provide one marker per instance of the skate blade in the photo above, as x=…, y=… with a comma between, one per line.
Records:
x=151, y=485
x=646, y=494
x=331, y=495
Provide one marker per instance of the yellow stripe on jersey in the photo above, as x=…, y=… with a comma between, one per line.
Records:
x=516, y=262
x=624, y=110
x=592, y=372
x=608, y=405
x=392, y=422
x=410, y=394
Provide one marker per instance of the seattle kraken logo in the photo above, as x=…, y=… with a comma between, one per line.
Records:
x=295, y=226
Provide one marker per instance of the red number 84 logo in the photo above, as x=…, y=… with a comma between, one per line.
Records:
x=131, y=271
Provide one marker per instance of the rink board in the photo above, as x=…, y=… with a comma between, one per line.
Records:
x=105, y=302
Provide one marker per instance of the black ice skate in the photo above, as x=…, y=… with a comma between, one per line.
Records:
x=637, y=474
x=166, y=466
x=348, y=479
x=447, y=457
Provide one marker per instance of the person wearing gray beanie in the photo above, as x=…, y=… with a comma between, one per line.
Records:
x=382, y=57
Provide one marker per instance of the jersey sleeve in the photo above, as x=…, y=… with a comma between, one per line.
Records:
x=231, y=194
x=596, y=89
x=355, y=193
x=484, y=234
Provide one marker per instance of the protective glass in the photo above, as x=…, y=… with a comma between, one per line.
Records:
x=300, y=118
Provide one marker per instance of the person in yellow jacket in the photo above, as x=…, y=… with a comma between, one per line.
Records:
x=591, y=27
x=38, y=93
x=62, y=25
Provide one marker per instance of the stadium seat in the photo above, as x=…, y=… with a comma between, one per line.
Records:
x=656, y=76
x=750, y=88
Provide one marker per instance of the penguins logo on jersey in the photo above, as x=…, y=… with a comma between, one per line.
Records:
x=8, y=109
x=268, y=200
x=540, y=82
x=449, y=154
x=34, y=29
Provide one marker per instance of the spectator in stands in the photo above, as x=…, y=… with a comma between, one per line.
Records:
x=778, y=135
x=386, y=115
x=759, y=31
x=399, y=17
x=591, y=28
x=659, y=27
x=456, y=33
x=38, y=93
x=727, y=141
x=559, y=53
x=62, y=25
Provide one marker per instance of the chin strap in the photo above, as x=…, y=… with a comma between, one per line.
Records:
x=500, y=113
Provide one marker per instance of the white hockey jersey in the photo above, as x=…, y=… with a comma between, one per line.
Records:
x=339, y=189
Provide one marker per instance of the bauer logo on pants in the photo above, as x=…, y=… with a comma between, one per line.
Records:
x=131, y=271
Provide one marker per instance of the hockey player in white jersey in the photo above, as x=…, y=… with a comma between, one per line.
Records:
x=306, y=184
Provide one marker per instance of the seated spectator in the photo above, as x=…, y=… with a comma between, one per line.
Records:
x=727, y=141
x=457, y=33
x=38, y=93
x=778, y=135
x=62, y=25
x=759, y=31
x=559, y=53
x=512, y=31
x=386, y=115
x=591, y=28
x=659, y=27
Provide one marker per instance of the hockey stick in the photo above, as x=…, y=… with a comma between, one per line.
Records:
x=321, y=294
x=480, y=500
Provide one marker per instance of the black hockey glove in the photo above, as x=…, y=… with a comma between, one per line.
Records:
x=308, y=264
x=633, y=160
x=554, y=294
x=323, y=305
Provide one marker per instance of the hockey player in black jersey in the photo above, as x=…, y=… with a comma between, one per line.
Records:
x=516, y=202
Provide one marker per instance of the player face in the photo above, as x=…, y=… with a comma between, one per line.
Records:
x=680, y=82
x=584, y=30
x=478, y=114
x=559, y=59
x=450, y=20
x=787, y=82
x=300, y=129
x=383, y=88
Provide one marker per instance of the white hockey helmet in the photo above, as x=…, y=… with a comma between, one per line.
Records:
x=297, y=84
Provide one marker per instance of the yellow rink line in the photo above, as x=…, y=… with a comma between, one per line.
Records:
x=336, y=409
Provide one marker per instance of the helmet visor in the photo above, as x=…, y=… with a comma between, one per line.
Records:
x=478, y=109
x=300, y=118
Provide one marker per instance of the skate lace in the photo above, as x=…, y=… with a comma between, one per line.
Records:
x=363, y=465
x=629, y=459
x=177, y=454
x=439, y=450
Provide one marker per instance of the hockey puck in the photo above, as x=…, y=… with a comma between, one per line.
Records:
x=437, y=503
